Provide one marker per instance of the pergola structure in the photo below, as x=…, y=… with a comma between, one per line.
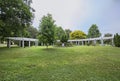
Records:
x=91, y=39
x=21, y=40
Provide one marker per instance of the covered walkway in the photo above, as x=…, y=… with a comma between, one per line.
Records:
x=78, y=41
x=21, y=40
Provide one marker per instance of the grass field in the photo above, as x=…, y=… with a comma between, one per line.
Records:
x=79, y=63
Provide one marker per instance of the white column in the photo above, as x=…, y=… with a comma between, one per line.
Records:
x=19, y=43
x=36, y=43
x=112, y=42
x=95, y=42
x=102, y=42
x=29, y=43
x=82, y=43
x=23, y=43
x=78, y=42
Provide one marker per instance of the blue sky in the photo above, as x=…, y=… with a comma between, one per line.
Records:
x=80, y=14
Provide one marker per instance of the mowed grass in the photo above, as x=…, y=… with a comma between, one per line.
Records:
x=78, y=63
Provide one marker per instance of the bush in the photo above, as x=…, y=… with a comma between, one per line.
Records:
x=58, y=44
x=117, y=40
x=67, y=44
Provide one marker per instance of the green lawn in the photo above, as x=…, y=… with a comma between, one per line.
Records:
x=79, y=63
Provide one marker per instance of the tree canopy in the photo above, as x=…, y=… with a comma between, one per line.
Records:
x=15, y=16
x=77, y=35
x=32, y=32
x=93, y=31
x=46, y=30
x=68, y=31
x=117, y=40
x=59, y=32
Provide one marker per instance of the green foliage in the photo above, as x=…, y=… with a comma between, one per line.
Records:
x=59, y=32
x=15, y=16
x=68, y=31
x=93, y=31
x=58, y=44
x=46, y=30
x=117, y=40
x=66, y=44
x=32, y=32
x=77, y=35
x=64, y=38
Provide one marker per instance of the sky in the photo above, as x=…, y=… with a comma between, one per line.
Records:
x=80, y=14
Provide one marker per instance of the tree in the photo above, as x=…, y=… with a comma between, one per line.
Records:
x=93, y=31
x=15, y=16
x=77, y=35
x=68, y=31
x=64, y=38
x=117, y=40
x=32, y=32
x=59, y=32
x=46, y=30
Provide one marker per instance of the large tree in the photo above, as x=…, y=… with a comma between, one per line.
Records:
x=15, y=16
x=77, y=35
x=46, y=30
x=93, y=31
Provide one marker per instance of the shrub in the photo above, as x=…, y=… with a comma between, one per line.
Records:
x=66, y=44
x=58, y=44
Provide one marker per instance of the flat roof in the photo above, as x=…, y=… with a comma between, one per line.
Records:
x=21, y=38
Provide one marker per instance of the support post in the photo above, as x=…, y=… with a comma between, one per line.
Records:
x=82, y=43
x=23, y=43
x=102, y=42
x=36, y=43
x=29, y=43
x=94, y=42
x=19, y=43
x=112, y=42
x=78, y=42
